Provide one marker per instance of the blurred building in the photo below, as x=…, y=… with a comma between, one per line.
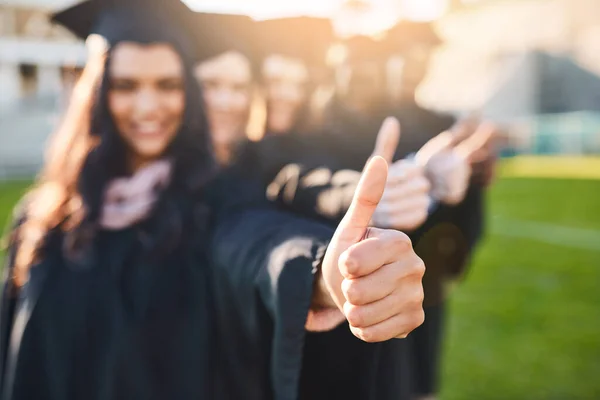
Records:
x=34, y=54
x=543, y=83
x=532, y=65
x=38, y=64
x=484, y=38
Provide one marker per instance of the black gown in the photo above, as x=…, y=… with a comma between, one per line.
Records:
x=120, y=327
x=116, y=326
x=264, y=262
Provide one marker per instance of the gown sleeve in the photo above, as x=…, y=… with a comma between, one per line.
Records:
x=264, y=264
x=302, y=175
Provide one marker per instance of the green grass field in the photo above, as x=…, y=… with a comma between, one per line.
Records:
x=525, y=324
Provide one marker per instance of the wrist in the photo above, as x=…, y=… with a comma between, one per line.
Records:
x=321, y=295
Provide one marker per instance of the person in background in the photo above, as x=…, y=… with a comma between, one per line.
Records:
x=355, y=110
x=452, y=232
x=294, y=65
x=446, y=234
x=228, y=79
x=131, y=239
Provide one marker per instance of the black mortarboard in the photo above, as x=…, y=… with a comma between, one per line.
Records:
x=220, y=33
x=406, y=33
x=147, y=21
x=305, y=38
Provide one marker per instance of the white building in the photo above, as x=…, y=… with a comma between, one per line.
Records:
x=484, y=40
x=38, y=61
x=34, y=54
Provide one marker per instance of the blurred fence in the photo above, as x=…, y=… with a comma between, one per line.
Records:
x=575, y=133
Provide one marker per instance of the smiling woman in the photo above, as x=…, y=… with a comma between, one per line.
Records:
x=146, y=99
x=113, y=212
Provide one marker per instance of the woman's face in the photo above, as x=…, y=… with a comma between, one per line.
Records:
x=227, y=89
x=285, y=81
x=361, y=85
x=146, y=98
x=414, y=62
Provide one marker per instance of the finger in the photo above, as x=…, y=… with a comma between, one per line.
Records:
x=403, y=170
x=476, y=141
x=410, y=222
x=399, y=326
x=387, y=140
x=399, y=191
x=383, y=282
x=366, y=198
x=408, y=297
x=481, y=155
x=440, y=143
x=383, y=246
x=464, y=129
x=405, y=220
x=401, y=209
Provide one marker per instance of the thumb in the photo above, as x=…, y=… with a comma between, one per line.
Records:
x=387, y=140
x=440, y=143
x=370, y=189
x=476, y=141
x=465, y=128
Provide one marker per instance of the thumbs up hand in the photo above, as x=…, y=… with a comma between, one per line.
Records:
x=405, y=202
x=448, y=164
x=447, y=170
x=373, y=275
x=483, y=150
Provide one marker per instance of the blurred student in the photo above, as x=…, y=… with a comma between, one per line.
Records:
x=356, y=108
x=294, y=65
x=432, y=194
x=448, y=152
x=228, y=79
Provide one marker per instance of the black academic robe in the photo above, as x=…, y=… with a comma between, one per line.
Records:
x=264, y=263
x=113, y=325
x=180, y=328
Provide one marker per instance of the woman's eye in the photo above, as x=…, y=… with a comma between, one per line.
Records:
x=241, y=88
x=124, y=86
x=209, y=84
x=170, y=85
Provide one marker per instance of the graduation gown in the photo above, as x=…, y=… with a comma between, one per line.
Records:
x=116, y=326
x=264, y=263
x=223, y=317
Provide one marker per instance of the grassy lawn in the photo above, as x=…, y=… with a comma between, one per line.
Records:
x=525, y=324
x=10, y=194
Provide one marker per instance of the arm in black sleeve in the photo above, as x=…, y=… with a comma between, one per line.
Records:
x=264, y=264
x=300, y=174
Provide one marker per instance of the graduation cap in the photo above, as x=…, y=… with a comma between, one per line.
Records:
x=219, y=33
x=199, y=35
x=408, y=33
x=304, y=38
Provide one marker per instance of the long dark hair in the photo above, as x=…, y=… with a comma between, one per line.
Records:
x=87, y=152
